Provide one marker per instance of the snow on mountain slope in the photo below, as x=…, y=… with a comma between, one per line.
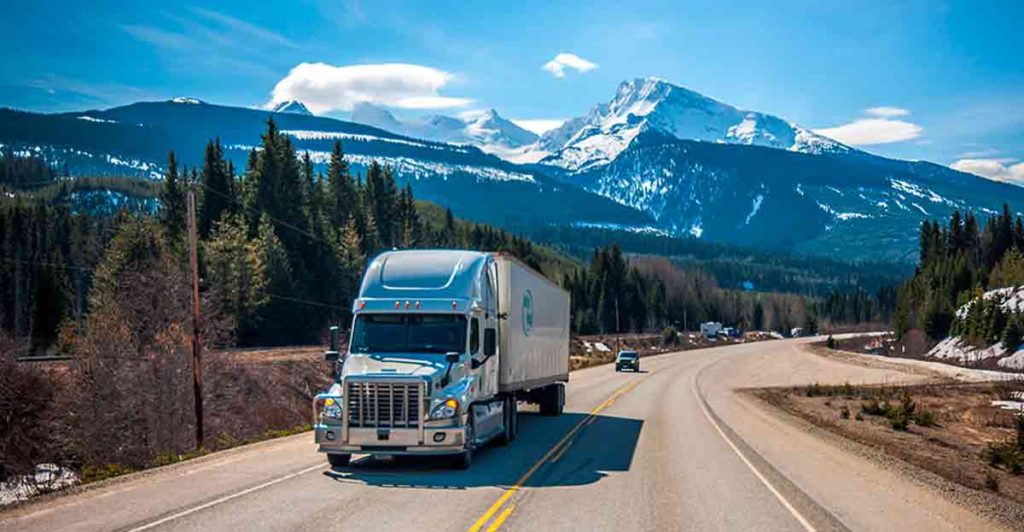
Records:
x=292, y=106
x=654, y=105
x=487, y=130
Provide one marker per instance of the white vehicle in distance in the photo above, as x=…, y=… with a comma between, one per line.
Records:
x=444, y=345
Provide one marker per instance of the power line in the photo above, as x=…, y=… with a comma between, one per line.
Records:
x=85, y=269
x=42, y=263
x=305, y=301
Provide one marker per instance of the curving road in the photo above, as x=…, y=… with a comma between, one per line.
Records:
x=672, y=448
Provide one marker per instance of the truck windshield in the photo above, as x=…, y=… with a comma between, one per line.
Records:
x=405, y=333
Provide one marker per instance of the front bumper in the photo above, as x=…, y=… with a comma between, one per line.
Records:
x=398, y=441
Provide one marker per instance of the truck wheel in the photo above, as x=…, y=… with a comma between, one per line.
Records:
x=515, y=417
x=508, y=415
x=554, y=400
x=339, y=460
x=462, y=460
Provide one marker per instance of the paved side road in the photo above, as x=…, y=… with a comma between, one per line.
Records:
x=672, y=448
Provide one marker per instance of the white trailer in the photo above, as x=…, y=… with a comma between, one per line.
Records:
x=444, y=345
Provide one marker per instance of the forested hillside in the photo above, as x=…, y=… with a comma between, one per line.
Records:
x=958, y=263
x=619, y=293
x=282, y=247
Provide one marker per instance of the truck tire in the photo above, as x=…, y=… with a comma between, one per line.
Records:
x=338, y=460
x=509, y=420
x=462, y=460
x=554, y=400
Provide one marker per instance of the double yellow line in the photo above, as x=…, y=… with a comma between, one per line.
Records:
x=553, y=455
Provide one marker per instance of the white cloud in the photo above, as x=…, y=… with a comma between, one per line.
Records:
x=1007, y=170
x=539, y=125
x=879, y=128
x=565, y=60
x=868, y=131
x=886, y=111
x=323, y=88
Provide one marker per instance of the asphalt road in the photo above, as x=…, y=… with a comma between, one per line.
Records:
x=672, y=448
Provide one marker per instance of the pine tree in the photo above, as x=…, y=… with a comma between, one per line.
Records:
x=173, y=201
x=276, y=317
x=237, y=266
x=351, y=258
x=216, y=187
x=343, y=194
x=49, y=304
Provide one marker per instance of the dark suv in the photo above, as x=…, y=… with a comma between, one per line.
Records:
x=627, y=360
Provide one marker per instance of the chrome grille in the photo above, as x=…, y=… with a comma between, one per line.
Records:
x=383, y=404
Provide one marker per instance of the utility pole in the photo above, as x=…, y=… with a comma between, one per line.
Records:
x=197, y=369
x=618, y=333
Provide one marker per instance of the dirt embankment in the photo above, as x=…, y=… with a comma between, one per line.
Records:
x=950, y=429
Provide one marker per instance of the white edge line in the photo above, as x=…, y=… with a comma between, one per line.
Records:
x=799, y=517
x=225, y=498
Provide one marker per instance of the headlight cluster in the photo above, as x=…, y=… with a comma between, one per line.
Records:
x=332, y=408
x=448, y=408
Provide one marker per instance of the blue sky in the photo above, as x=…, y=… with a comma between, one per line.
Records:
x=941, y=81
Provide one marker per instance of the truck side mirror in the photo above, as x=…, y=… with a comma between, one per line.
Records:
x=332, y=354
x=490, y=342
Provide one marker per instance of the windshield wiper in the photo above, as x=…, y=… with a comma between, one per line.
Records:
x=428, y=349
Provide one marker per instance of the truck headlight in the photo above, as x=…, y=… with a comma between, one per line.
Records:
x=446, y=409
x=332, y=408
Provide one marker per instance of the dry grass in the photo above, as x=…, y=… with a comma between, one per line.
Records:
x=950, y=430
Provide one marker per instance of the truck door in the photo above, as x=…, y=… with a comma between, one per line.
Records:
x=490, y=323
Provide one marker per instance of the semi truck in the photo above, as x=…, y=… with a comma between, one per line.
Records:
x=444, y=345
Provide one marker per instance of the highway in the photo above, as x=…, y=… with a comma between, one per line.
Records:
x=673, y=448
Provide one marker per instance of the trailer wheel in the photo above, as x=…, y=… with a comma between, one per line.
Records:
x=554, y=400
x=338, y=460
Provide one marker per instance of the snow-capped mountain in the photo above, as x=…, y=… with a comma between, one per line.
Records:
x=657, y=106
x=292, y=106
x=487, y=130
x=133, y=140
x=745, y=177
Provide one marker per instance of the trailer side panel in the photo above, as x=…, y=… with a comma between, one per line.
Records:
x=534, y=339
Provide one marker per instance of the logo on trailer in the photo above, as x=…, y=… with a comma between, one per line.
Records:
x=527, y=312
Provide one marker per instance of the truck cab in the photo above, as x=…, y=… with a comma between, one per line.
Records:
x=423, y=372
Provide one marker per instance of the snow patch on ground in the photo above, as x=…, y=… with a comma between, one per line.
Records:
x=46, y=478
x=641, y=229
x=94, y=119
x=955, y=349
x=696, y=229
x=755, y=206
x=842, y=215
x=415, y=168
x=1012, y=300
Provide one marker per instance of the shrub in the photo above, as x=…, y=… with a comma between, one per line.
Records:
x=844, y=412
x=27, y=415
x=925, y=418
x=991, y=482
x=872, y=407
x=830, y=342
x=1020, y=432
x=93, y=473
x=669, y=336
x=1007, y=455
x=899, y=423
